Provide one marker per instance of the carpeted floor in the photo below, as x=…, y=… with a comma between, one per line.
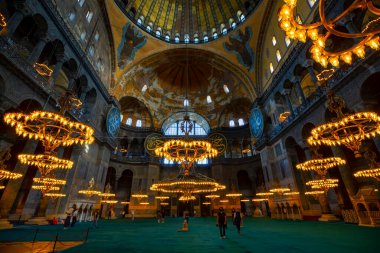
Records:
x=258, y=235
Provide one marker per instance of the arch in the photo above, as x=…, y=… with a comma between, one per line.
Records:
x=90, y=101
x=238, y=108
x=198, y=118
x=124, y=185
x=244, y=182
x=306, y=131
x=132, y=107
x=370, y=93
x=111, y=178
x=81, y=86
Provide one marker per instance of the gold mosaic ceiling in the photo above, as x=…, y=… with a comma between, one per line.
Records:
x=191, y=17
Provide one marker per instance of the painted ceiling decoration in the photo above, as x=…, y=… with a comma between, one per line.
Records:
x=132, y=40
x=239, y=43
x=187, y=21
x=159, y=81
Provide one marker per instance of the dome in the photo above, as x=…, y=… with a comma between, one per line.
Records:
x=178, y=21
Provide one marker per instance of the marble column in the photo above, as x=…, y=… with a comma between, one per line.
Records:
x=10, y=192
x=13, y=22
x=37, y=50
x=286, y=94
x=309, y=66
x=57, y=69
x=297, y=82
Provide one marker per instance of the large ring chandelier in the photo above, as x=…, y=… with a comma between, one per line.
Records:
x=321, y=165
x=7, y=175
x=348, y=130
x=192, y=183
x=46, y=163
x=90, y=189
x=368, y=36
x=323, y=184
x=52, y=129
x=374, y=167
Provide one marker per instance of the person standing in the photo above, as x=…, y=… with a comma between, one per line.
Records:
x=68, y=218
x=237, y=220
x=95, y=219
x=133, y=215
x=221, y=221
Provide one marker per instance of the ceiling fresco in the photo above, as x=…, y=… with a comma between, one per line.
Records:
x=166, y=80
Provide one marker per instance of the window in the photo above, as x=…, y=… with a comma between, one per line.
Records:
x=121, y=117
x=225, y=88
x=167, y=37
x=158, y=33
x=241, y=122
x=233, y=25
x=186, y=103
x=242, y=17
x=224, y=31
x=311, y=2
x=299, y=20
x=83, y=36
x=148, y=28
x=91, y=50
x=72, y=16
x=144, y=88
x=175, y=129
x=81, y=2
x=209, y=100
x=205, y=38
x=271, y=68
x=138, y=123
x=203, y=162
x=274, y=41
x=196, y=39
x=89, y=16
x=278, y=55
x=97, y=36
x=176, y=39
x=187, y=38
x=129, y=122
x=139, y=21
x=287, y=41
x=232, y=123
x=215, y=35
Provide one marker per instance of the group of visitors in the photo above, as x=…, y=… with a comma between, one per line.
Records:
x=71, y=218
x=221, y=221
x=160, y=216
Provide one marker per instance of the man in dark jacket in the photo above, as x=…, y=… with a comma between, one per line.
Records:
x=221, y=221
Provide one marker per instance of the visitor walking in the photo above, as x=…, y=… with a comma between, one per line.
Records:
x=221, y=222
x=109, y=214
x=95, y=220
x=75, y=214
x=133, y=215
x=237, y=220
x=233, y=215
x=68, y=218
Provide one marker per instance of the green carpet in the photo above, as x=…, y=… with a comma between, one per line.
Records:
x=258, y=235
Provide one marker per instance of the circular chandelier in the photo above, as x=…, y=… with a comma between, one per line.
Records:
x=314, y=193
x=374, y=167
x=49, y=181
x=187, y=198
x=368, y=36
x=107, y=193
x=212, y=196
x=280, y=190
x=162, y=197
x=55, y=195
x=321, y=165
x=323, y=184
x=206, y=203
x=45, y=188
x=46, y=163
x=144, y=203
x=109, y=201
x=264, y=194
x=7, y=175
x=291, y=193
x=259, y=199
x=139, y=195
x=90, y=189
x=52, y=129
x=164, y=203
x=234, y=195
x=348, y=130
x=190, y=183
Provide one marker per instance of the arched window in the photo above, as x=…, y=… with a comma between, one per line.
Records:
x=72, y=16
x=287, y=41
x=209, y=100
x=129, y=122
x=89, y=16
x=241, y=122
x=148, y=28
x=96, y=37
x=167, y=37
x=271, y=68
x=158, y=33
x=144, y=88
x=224, y=31
x=311, y=3
x=176, y=39
x=215, y=35
x=81, y=2
x=274, y=41
x=91, y=50
x=139, y=123
x=187, y=38
x=278, y=55
x=186, y=103
x=232, y=123
x=83, y=36
x=226, y=89
x=205, y=38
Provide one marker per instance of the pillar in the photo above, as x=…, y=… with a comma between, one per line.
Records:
x=13, y=22
x=13, y=187
x=286, y=94
x=37, y=50
x=297, y=82
x=57, y=69
x=309, y=66
x=346, y=173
